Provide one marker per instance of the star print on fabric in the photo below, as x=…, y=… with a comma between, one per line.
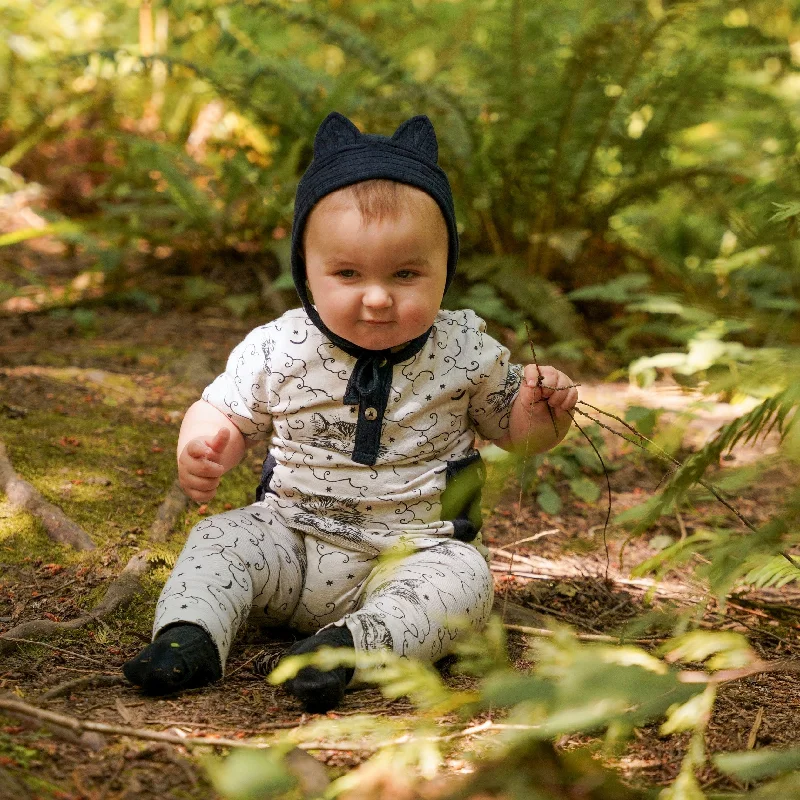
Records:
x=432, y=356
x=184, y=606
x=350, y=576
x=330, y=458
x=329, y=583
x=328, y=489
x=391, y=439
x=441, y=386
x=427, y=397
x=368, y=508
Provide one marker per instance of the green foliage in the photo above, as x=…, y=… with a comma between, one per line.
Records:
x=572, y=688
x=251, y=775
x=578, y=137
x=572, y=464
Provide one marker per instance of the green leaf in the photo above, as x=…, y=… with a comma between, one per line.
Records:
x=250, y=775
x=643, y=419
x=694, y=713
x=785, y=211
x=548, y=499
x=729, y=650
x=754, y=765
x=585, y=489
x=619, y=290
x=775, y=571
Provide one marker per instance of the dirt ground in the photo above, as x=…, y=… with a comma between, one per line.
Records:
x=89, y=414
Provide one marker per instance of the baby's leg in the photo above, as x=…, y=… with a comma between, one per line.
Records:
x=230, y=563
x=419, y=605
x=334, y=581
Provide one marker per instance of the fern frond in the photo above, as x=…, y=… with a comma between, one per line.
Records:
x=774, y=413
x=774, y=572
x=539, y=299
x=161, y=555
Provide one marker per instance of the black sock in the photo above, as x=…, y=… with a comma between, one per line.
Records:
x=181, y=657
x=320, y=691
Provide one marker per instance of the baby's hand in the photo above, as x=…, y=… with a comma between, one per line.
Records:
x=550, y=385
x=199, y=465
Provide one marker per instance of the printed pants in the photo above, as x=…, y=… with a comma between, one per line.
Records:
x=415, y=603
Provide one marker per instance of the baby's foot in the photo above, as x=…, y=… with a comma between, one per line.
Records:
x=181, y=657
x=320, y=691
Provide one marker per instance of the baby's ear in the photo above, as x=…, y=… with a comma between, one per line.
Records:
x=418, y=134
x=335, y=132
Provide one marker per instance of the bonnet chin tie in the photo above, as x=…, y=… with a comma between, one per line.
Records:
x=369, y=387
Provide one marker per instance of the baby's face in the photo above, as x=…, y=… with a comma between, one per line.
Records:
x=378, y=284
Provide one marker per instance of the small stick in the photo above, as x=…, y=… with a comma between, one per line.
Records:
x=751, y=739
x=82, y=682
x=608, y=487
x=540, y=380
x=56, y=649
x=664, y=457
x=533, y=538
x=546, y=633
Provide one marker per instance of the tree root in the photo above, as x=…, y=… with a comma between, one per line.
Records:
x=121, y=591
x=24, y=496
x=168, y=512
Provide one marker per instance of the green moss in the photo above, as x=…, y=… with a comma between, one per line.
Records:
x=22, y=537
x=99, y=467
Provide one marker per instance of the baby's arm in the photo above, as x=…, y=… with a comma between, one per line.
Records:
x=209, y=445
x=529, y=419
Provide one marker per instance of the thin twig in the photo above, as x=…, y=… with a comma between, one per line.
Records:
x=546, y=633
x=56, y=649
x=608, y=487
x=534, y=538
x=80, y=683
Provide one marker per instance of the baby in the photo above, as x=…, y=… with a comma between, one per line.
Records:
x=370, y=397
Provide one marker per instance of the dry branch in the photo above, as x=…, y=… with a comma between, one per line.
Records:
x=120, y=592
x=23, y=496
x=77, y=725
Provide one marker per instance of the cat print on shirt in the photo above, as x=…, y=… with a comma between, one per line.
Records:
x=336, y=434
x=337, y=518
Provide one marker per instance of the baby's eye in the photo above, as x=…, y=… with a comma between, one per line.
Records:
x=346, y=273
x=405, y=274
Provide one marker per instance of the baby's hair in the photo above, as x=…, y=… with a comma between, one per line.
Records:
x=378, y=199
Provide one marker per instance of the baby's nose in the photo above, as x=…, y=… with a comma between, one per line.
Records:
x=376, y=296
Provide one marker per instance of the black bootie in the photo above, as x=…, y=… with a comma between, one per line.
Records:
x=320, y=691
x=181, y=657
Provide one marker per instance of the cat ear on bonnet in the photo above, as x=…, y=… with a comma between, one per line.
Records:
x=417, y=134
x=335, y=132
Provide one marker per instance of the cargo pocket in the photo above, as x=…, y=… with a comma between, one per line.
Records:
x=461, y=499
x=266, y=476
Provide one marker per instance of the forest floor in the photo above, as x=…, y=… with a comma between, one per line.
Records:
x=89, y=414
